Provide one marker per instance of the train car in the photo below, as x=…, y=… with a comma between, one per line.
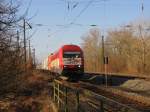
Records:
x=67, y=61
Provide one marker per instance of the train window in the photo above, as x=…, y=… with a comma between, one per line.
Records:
x=72, y=55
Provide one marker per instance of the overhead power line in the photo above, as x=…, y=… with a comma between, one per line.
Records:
x=86, y=7
x=79, y=1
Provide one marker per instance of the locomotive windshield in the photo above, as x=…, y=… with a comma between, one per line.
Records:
x=71, y=55
x=73, y=58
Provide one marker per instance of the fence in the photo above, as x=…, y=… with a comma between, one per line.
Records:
x=70, y=98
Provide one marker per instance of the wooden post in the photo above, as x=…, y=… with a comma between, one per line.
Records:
x=106, y=77
x=54, y=90
x=58, y=94
x=77, y=95
x=101, y=106
x=66, y=102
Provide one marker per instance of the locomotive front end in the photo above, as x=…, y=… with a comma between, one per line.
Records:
x=73, y=64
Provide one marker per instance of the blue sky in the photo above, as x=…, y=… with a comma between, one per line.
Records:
x=55, y=15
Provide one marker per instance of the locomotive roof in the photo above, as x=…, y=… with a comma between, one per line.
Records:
x=70, y=47
x=64, y=47
x=67, y=45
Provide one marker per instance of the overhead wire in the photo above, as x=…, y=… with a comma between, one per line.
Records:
x=75, y=3
x=80, y=13
x=27, y=10
x=86, y=7
x=79, y=1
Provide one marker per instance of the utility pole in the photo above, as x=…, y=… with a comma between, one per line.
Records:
x=29, y=51
x=18, y=49
x=24, y=36
x=142, y=38
x=103, y=51
x=104, y=62
x=106, y=70
x=17, y=40
x=103, y=70
x=34, y=57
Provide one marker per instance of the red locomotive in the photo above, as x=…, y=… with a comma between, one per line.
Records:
x=68, y=61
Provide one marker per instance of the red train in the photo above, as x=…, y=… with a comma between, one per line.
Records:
x=68, y=61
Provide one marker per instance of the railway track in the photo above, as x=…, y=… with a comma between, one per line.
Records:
x=122, y=97
x=145, y=77
x=92, y=75
x=119, y=96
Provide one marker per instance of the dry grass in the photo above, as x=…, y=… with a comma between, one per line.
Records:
x=32, y=95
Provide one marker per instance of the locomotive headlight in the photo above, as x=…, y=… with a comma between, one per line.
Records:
x=65, y=66
x=79, y=66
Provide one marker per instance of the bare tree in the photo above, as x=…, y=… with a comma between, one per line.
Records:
x=10, y=49
x=129, y=52
x=92, y=50
x=121, y=51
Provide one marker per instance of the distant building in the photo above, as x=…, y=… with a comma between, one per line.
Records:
x=45, y=64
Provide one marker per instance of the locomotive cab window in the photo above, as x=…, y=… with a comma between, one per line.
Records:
x=72, y=58
x=72, y=55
